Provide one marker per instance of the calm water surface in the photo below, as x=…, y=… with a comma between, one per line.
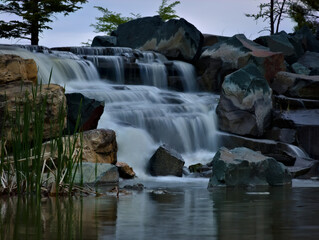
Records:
x=169, y=210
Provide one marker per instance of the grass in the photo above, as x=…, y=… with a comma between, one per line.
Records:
x=27, y=164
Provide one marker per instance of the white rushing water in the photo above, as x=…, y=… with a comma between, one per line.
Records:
x=143, y=117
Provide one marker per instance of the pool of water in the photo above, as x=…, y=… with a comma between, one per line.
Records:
x=168, y=209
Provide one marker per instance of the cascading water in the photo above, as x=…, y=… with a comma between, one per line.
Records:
x=142, y=116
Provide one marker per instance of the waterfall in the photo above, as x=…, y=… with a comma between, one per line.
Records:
x=188, y=74
x=143, y=117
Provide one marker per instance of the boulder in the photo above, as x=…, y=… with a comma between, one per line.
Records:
x=104, y=41
x=244, y=167
x=176, y=39
x=308, y=39
x=281, y=151
x=98, y=146
x=166, y=162
x=14, y=95
x=245, y=103
x=14, y=68
x=96, y=173
x=234, y=53
x=306, y=124
x=296, y=85
x=90, y=112
x=310, y=60
x=210, y=39
x=282, y=42
x=125, y=170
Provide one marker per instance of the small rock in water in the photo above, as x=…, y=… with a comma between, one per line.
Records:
x=314, y=178
x=135, y=187
x=159, y=192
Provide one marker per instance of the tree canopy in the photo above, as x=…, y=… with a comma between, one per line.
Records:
x=303, y=12
x=110, y=20
x=35, y=16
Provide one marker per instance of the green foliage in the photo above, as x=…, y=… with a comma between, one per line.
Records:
x=110, y=20
x=35, y=16
x=167, y=11
x=273, y=12
x=30, y=166
x=305, y=13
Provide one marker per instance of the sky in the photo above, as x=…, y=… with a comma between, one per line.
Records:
x=219, y=17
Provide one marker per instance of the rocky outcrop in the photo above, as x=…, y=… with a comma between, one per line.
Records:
x=166, y=162
x=282, y=42
x=104, y=41
x=296, y=85
x=232, y=54
x=90, y=112
x=176, y=39
x=15, y=95
x=245, y=102
x=96, y=173
x=244, y=167
x=14, y=68
x=125, y=171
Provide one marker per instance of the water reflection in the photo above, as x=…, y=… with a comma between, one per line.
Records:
x=179, y=212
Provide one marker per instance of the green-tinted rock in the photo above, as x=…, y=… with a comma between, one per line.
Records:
x=245, y=103
x=97, y=173
x=244, y=167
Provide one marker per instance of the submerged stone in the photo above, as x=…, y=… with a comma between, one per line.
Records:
x=244, y=167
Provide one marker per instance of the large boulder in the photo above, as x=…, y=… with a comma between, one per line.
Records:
x=90, y=112
x=98, y=146
x=14, y=95
x=244, y=167
x=296, y=85
x=245, y=103
x=282, y=42
x=176, y=39
x=96, y=173
x=14, y=68
x=104, y=41
x=232, y=54
x=166, y=162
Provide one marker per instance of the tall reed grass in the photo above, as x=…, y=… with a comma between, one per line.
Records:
x=27, y=164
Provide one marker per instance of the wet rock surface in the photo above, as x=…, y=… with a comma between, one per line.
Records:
x=165, y=162
x=244, y=167
x=245, y=102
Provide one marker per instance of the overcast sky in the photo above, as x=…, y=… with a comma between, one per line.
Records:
x=220, y=17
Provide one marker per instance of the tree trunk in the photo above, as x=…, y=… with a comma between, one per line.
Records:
x=34, y=28
x=272, y=23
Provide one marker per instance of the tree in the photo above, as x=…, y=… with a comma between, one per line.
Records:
x=111, y=20
x=166, y=10
x=305, y=13
x=35, y=16
x=274, y=12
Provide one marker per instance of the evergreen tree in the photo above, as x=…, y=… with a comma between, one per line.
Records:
x=167, y=11
x=35, y=16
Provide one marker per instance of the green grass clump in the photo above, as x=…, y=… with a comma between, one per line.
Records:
x=27, y=164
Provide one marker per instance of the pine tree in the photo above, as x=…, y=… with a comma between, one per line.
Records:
x=35, y=16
